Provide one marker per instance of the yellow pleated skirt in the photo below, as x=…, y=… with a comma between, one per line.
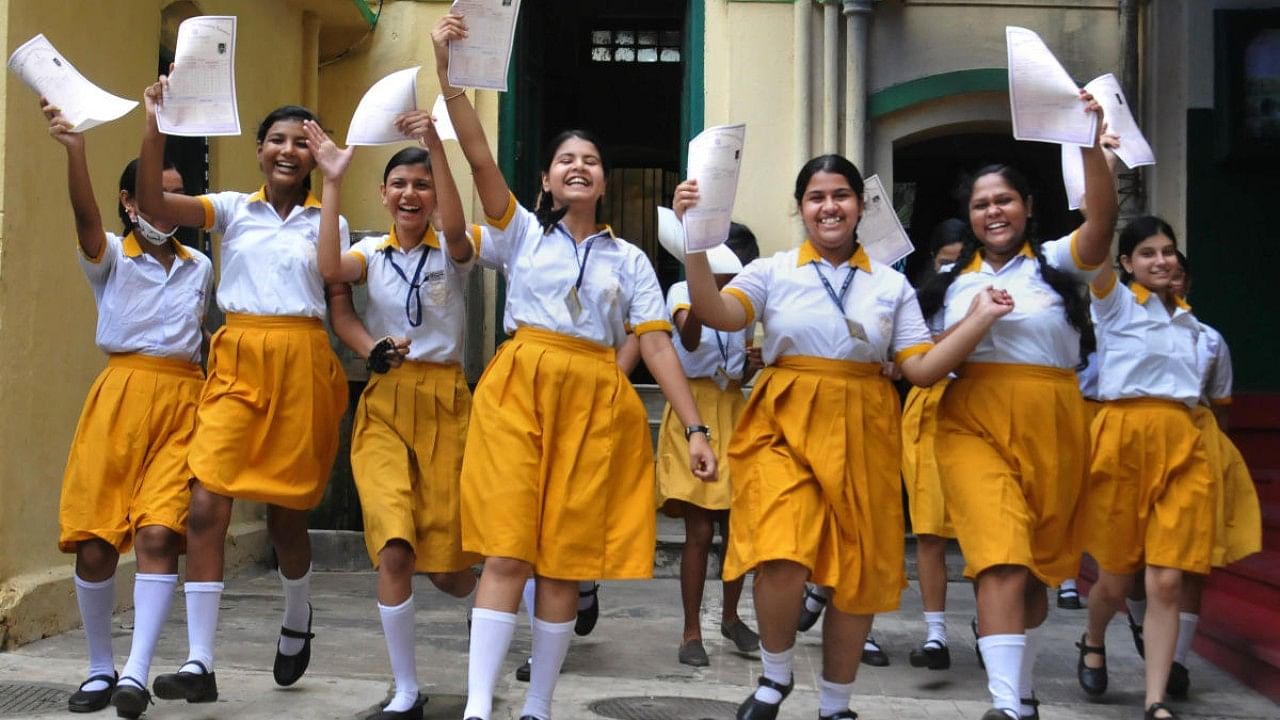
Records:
x=1013, y=448
x=267, y=428
x=406, y=455
x=720, y=410
x=920, y=461
x=1152, y=497
x=815, y=463
x=1238, y=520
x=127, y=467
x=558, y=468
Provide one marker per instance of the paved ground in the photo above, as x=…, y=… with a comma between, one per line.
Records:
x=631, y=654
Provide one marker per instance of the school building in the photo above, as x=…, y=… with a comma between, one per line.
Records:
x=914, y=91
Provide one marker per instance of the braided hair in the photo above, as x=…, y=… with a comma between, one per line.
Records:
x=544, y=209
x=1075, y=299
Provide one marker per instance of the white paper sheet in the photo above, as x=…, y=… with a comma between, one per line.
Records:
x=480, y=61
x=1043, y=99
x=715, y=157
x=374, y=120
x=1134, y=149
x=880, y=232
x=444, y=126
x=51, y=75
x=1073, y=175
x=202, y=87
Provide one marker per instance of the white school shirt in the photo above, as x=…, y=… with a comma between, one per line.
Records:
x=268, y=264
x=619, y=294
x=1036, y=331
x=1144, y=351
x=715, y=349
x=437, y=304
x=1213, y=360
x=1088, y=378
x=801, y=318
x=143, y=308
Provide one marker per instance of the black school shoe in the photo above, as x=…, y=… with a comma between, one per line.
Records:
x=1154, y=708
x=1179, y=681
x=288, y=668
x=1035, y=708
x=809, y=618
x=413, y=713
x=1069, y=599
x=842, y=715
x=875, y=656
x=587, y=617
x=87, y=701
x=130, y=700
x=998, y=714
x=1139, y=643
x=931, y=654
x=753, y=709
x=201, y=687
x=1092, y=680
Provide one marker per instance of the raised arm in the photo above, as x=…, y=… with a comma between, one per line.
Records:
x=1093, y=239
x=453, y=225
x=491, y=186
x=714, y=308
x=335, y=266
x=85, y=209
x=172, y=208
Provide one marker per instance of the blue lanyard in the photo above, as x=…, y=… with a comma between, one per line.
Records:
x=412, y=299
x=582, y=264
x=724, y=351
x=844, y=289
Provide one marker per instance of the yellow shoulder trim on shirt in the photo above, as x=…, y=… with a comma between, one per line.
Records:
x=649, y=326
x=477, y=238
x=1220, y=402
x=130, y=246
x=502, y=222
x=742, y=298
x=917, y=349
x=208, y=211
x=1104, y=292
x=101, y=253
x=1075, y=254
x=678, y=308
x=364, y=265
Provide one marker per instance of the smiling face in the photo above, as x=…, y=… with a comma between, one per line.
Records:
x=830, y=209
x=410, y=196
x=998, y=215
x=1152, y=262
x=576, y=173
x=1179, y=283
x=284, y=155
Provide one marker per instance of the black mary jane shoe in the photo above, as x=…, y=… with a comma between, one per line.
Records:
x=201, y=687
x=1139, y=642
x=413, y=713
x=1179, y=681
x=87, y=701
x=1069, y=599
x=998, y=714
x=1092, y=680
x=130, y=699
x=809, y=618
x=525, y=671
x=1154, y=708
x=931, y=654
x=1034, y=704
x=875, y=656
x=845, y=714
x=587, y=617
x=753, y=709
x=288, y=668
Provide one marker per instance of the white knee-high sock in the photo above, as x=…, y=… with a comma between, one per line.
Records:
x=491, y=632
x=397, y=627
x=152, y=595
x=1187, y=623
x=937, y=625
x=550, y=644
x=1069, y=584
x=202, y=623
x=530, y=592
x=1026, y=675
x=833, y=697
x=1003, y=656
x=96, y=601
x=777, y=667
x=297, y=610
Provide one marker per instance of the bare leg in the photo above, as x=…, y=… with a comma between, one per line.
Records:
x=1164, y=586
x=698, y=531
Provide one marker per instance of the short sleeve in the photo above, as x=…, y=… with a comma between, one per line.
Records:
x=220, y=207
x=98, y=269
x=678, y=299
x=1221, y=378
x=364, y=250
x=1107, y=304
x=911, y=335
x=475, y=236
x=751, y=287
x=1063, y=255
x=647, y=312
x=505, y=234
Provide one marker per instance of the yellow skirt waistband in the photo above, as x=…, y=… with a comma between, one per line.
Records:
x=711, y=383
x=1013, y=371
x=566, y=343
x=1149, y=402
x=273, y=322
x=169, y=366
x=827, y=366
x=422, y=367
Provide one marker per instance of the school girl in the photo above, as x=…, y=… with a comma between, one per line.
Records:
x=125, y=484
x=557, y=475
x=1012, y=437
x=267, y=425
x=715, y=364
x=1151, y=491
x=411, y=423
x=815, y=457
x=929, y=521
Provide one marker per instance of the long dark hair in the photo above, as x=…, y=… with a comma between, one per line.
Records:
x=1134, y=233
x=544, y=209
x=129, y=184
x=1075, y=300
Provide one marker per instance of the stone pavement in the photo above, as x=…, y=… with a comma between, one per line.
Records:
x=631, y=654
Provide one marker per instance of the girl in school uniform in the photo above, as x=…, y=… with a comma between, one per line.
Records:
x=1151, y=491
x=557, y=477
x=125, y=484
x=715, y=364
x=815, y=457
x=411, y=423
x=1011, y=438
x=267, y=426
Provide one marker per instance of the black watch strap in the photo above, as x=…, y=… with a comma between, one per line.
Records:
x=691, y=429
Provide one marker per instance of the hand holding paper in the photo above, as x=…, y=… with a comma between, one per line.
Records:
x=1131, y=146
x=715, y=158
x=1044, y=101
x=83, y=105
x=880, y=231
x=374, y=122
x=480, y=58
x=201, y=97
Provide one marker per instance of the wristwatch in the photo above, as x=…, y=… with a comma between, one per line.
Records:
x=691, y=429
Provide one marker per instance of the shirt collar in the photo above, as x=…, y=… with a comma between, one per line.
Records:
x=808, y=253
x=429, y=239
x=132, y=249
x=1141, y=294
x=976, y=263
x=261, y=196
x=601, y=231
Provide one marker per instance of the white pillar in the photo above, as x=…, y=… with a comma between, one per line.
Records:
x=857, y=19
x=830, y=78
x=802, y=20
